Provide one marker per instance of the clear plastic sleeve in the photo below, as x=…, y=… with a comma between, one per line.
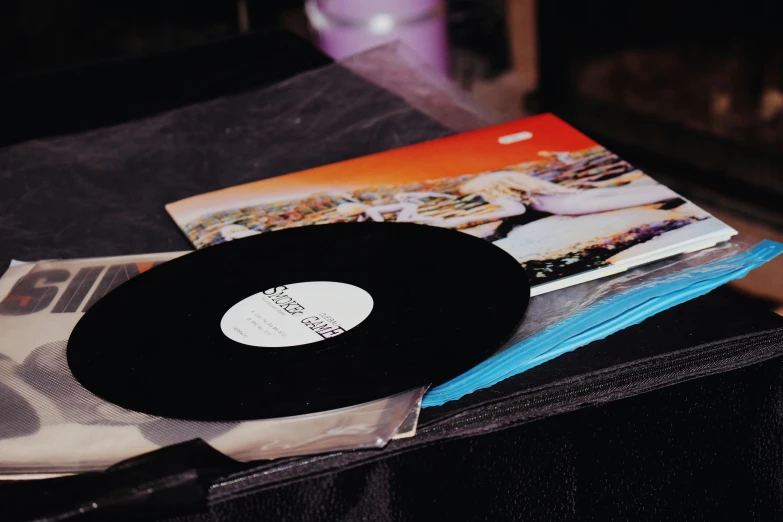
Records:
x=567, y=319
x=548, y=309
x=398, y=69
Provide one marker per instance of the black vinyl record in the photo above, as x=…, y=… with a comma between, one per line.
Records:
x=299, y=321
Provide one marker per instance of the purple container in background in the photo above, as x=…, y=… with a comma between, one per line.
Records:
x=346, y=27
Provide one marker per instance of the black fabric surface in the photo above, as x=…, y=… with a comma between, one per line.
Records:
x=707, y=449
x=116, y=91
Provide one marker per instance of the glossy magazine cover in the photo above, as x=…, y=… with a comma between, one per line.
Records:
x=565, y=207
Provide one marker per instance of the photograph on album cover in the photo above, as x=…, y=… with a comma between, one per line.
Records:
x=566, y=207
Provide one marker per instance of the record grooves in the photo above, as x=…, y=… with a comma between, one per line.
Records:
x=299, y=321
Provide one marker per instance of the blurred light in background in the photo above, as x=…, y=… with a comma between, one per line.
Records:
x=346, y=27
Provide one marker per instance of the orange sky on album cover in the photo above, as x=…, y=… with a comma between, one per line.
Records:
x=467, y=153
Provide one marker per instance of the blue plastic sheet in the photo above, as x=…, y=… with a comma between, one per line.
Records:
x=622, y=302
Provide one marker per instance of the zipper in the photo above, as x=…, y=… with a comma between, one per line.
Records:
x=560, y=397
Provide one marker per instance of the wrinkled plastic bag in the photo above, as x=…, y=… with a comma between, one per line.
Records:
x=398, y=69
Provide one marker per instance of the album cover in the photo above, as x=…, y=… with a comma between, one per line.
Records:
x=51, y=424
x=565, y=207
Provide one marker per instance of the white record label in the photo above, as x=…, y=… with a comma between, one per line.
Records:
x=296, y=314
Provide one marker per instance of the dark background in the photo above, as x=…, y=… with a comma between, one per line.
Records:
x=36, y=36
x=691, y=91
